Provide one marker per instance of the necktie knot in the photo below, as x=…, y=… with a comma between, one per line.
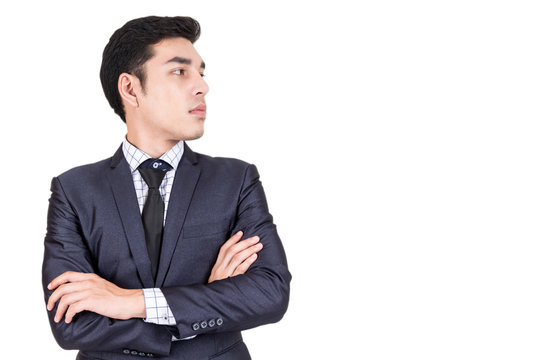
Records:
x=156, y=164
x=153, y=171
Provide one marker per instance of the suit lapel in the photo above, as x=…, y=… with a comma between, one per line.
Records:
x=185, y=181
x=126, y=202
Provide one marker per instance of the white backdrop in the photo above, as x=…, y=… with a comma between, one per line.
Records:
x=397, y=142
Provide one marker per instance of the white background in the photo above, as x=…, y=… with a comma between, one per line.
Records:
x=398, y=143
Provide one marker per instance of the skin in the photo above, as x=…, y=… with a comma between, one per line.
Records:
x=157, y=117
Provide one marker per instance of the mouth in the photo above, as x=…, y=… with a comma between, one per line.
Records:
x=199, y=110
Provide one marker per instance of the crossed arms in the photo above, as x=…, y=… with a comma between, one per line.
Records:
x=78, y=291
x=108, y=316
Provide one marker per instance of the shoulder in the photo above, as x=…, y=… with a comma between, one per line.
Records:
x=225, y=168
x=224, y=163
x=84, y=176
x=86, y=169
x=211, y=162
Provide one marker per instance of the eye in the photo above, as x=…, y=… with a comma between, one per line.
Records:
x=202, y=75
x=179, y=72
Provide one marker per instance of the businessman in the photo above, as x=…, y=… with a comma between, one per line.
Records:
x=160, y=251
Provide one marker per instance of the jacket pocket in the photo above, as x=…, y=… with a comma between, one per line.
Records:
x=237, y=351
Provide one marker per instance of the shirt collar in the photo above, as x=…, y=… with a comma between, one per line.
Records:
x=136, y=157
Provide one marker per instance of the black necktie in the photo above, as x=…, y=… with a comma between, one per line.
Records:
x=153, y=171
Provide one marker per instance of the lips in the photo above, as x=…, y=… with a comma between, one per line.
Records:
x=199, y=110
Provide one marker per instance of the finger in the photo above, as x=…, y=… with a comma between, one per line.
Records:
x=68, y=276
x=224, y=265
x=74, y=309
x=232, y=240
x=60, y=292
x=66, y=302
x=239, y=247
x=241, y=256
x=63, y=290
x=243, y=267
x=60, y=279
x=245, y=243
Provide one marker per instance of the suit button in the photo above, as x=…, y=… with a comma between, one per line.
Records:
x=204, y=324
x=126, y=351
x=211, y=322
x=195, y=326
x=219, y=321
x=134, y=352
x=141, y=353
x=149, y=355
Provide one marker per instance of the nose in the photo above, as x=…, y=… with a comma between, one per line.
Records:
x=201, y=87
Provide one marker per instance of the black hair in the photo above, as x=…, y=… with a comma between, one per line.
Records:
x=130, y=47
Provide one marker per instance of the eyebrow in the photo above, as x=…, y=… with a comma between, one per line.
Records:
x=183, y=60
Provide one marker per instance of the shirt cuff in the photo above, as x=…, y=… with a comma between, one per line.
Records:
x=157, y=309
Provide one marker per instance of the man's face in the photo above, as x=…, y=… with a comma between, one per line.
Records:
x=172, y=104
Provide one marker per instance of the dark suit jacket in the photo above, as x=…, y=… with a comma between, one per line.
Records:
x=94, y=226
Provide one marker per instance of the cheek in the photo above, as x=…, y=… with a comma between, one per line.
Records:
x=174, y=100
x=162, y=104
x=167, y=102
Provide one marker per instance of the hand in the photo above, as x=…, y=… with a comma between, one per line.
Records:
x=77, y=292
x=235, y=257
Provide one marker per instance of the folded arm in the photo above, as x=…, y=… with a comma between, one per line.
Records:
x=260, y=296
x=77, y=291
x=66, y=251
x=71, y=287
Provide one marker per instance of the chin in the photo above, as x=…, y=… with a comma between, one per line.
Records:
x=194, y=135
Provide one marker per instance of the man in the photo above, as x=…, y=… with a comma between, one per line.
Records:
x=159, y=251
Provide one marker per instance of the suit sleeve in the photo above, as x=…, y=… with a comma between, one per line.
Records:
x=258, y=297
x=66, y=250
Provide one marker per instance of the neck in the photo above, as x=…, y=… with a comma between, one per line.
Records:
x=146, y=138
x=153, y=147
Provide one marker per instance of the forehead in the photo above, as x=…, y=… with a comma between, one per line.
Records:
x=169, y=48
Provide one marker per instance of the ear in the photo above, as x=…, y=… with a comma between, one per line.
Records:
x=128, y=88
